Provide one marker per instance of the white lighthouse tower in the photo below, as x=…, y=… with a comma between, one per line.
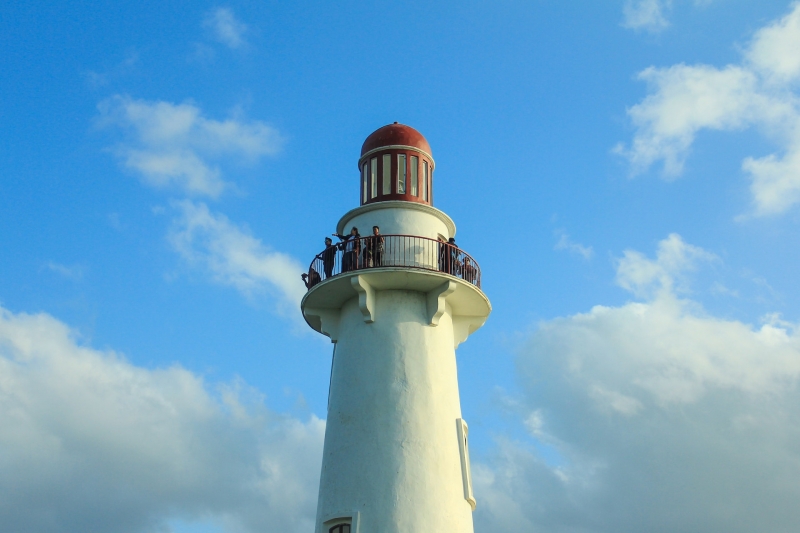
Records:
x=396, y=305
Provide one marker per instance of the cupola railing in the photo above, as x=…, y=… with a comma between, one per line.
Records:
x=391, y=251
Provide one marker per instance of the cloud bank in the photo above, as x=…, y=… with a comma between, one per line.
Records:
x=658, y=417
x=760, y=92
x=90, y=442
x=175, y=146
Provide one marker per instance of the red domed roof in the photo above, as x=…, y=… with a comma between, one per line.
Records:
x=395, y=134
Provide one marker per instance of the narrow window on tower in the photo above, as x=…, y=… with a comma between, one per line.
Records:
x=425, y=180
x=387, y=174
x=401, y=174
x=364, y=182
x=373, y=168
x=414, y=167
x=463, y=447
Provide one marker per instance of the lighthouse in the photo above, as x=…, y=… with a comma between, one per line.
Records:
x=396, y=296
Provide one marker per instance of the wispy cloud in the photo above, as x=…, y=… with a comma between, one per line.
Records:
x=232, y=256
x=760, y=91
x=646, y=15
x=101, y=79
x=650, y=15
x=657, y=406
x=124, y=449
x=565, y=243
x=226, y=28
x=175, y=146
x=73, y=272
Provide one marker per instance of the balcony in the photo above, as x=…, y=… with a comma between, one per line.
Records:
x=393, y=251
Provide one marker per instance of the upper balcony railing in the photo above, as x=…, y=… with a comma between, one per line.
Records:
x=404, y=251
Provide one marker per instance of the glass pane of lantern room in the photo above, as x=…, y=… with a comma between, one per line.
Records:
x=401, y=174
x=387, y=174
x=414, y=168
x=373, y=164
x=364, y=182
x=425, y=180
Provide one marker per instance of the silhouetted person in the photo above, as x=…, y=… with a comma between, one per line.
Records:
x=443, y=254
x=310, y=279
x=328, y=257
x=374, y=248
x=453, y=264
x=352, y=246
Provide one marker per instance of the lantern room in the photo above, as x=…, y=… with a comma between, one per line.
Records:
x=396, y=164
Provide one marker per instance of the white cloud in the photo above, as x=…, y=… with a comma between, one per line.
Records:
x=645, y=14
x=664, y=417
x=90, y=442
x=775, y=180
x=174, y=145
x=234, y=257
x=565, y=243
x=773, y=51
x=760, y=92
x=226, y=28
x=674, y=258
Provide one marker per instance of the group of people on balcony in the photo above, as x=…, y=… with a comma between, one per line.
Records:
x=358, y=252
x=451, y=263
x=368, y=252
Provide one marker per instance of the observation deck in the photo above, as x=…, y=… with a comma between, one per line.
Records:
x=449, y=276
x=396, y=251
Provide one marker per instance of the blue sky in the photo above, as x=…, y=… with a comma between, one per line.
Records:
x=627, y=174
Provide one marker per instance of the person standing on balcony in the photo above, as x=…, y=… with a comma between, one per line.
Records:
x=453, y=264
x=442, y=254
x=328, y=257
x=352, y=247
x=374, y=248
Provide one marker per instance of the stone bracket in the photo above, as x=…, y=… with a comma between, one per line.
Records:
x=366, y=297
x=436, y=301
x=326, y=321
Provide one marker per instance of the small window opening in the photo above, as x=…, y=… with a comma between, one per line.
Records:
x=341, y=524
x=387, y=174
x=414, y=167
x=466, y=474
x=401, y=174
x=373, y=167
x=425, y=180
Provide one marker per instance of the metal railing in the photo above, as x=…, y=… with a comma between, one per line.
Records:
x=406, y=251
